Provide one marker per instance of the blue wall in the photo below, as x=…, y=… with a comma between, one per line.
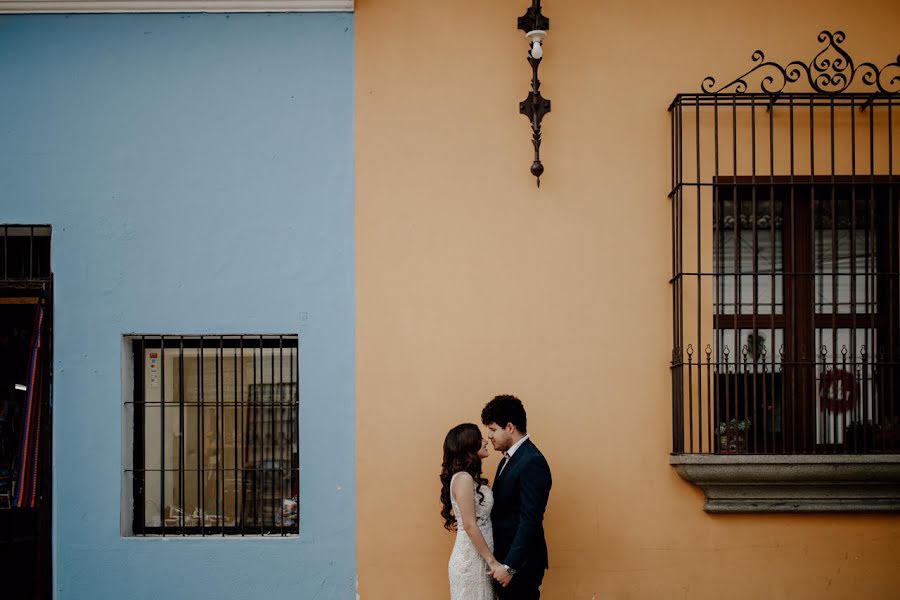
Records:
x=198, y=174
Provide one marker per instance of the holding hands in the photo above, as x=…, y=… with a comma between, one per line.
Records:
x=500, y=573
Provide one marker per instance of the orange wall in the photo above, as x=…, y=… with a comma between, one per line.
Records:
x=471, y=282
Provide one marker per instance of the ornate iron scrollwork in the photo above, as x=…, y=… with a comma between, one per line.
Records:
x=535, y=106
x=831, y=71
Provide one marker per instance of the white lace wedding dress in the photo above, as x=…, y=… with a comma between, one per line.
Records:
x=469, y=579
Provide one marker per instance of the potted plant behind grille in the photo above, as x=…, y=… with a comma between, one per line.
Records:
x=733, y=436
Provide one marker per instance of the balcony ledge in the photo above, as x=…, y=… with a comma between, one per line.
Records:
x=795, y=483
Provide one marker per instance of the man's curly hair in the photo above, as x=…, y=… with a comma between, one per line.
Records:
x=503, y=410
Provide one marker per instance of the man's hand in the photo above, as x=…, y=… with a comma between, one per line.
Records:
x=500, y=574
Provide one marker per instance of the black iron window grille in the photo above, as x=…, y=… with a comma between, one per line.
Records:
x=215, y=435
x=786, y=259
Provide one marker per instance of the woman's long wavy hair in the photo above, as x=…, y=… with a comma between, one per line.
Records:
x=461, y=448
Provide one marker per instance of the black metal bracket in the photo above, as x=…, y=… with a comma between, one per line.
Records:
x=533, y=19
x=535, y=106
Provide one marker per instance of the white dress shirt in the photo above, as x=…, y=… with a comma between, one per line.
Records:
x=512, y=450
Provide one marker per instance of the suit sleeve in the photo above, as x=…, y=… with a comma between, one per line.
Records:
x=534, y=488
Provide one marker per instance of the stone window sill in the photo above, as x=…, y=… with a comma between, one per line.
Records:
x=795, y=483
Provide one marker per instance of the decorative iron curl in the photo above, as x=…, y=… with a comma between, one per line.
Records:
x=831, y=71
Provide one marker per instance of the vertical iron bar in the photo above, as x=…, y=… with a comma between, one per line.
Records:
x=272, y=453
x=783, y=367
x=746, y=354
x=690, y=374
x=872, y=278
x=245, y=435
x=280, y=428
x=844, y=369
x=234, y=419
x=680, y=282
x=253, y=421
x=181, y=432
x=858, y=430
x=762, y=382
x=673, y=180
x=812, y=216
x=823, y=411
x=162, y=433
x=295, y=401
x=718, y=234
x=755, y=283
x=709, y=401
x=219, y=512
x=699, y=284
x=772, y=284
x=201, y=440
x=865, y=402
x=727, y=375
x=674, y=221
x=675, y=323
x=738, y=293
x=252, y=473
x=223, y=467
x=793, y=354
x=893, y=270
x=259, y=426
x=835, y=423
x=139, y=478
x=677, y=394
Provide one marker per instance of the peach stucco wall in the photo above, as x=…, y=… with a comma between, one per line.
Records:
x=472, y=282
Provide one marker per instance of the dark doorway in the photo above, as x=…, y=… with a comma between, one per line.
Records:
x=25, y=413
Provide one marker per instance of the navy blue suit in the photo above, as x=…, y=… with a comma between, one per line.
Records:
x=521, y=492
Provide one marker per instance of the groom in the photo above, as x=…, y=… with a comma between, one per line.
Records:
x=521, y=489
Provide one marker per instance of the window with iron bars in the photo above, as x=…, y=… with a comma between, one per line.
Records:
x=786, y=260
x=215, y=435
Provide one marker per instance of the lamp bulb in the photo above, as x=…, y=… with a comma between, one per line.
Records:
x=536, y=50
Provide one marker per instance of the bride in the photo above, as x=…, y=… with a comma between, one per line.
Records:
x=466, y=503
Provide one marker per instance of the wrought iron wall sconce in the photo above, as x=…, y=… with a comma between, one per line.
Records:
x=535, y=106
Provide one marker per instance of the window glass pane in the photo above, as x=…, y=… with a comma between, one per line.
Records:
x=742, y=252
x=845, y=269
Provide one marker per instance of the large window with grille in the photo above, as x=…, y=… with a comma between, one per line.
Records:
x=214, y=421
x=786, y=260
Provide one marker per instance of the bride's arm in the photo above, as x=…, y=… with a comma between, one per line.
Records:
x=463, y=489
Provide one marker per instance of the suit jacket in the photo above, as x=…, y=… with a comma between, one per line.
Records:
x=520, y=498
